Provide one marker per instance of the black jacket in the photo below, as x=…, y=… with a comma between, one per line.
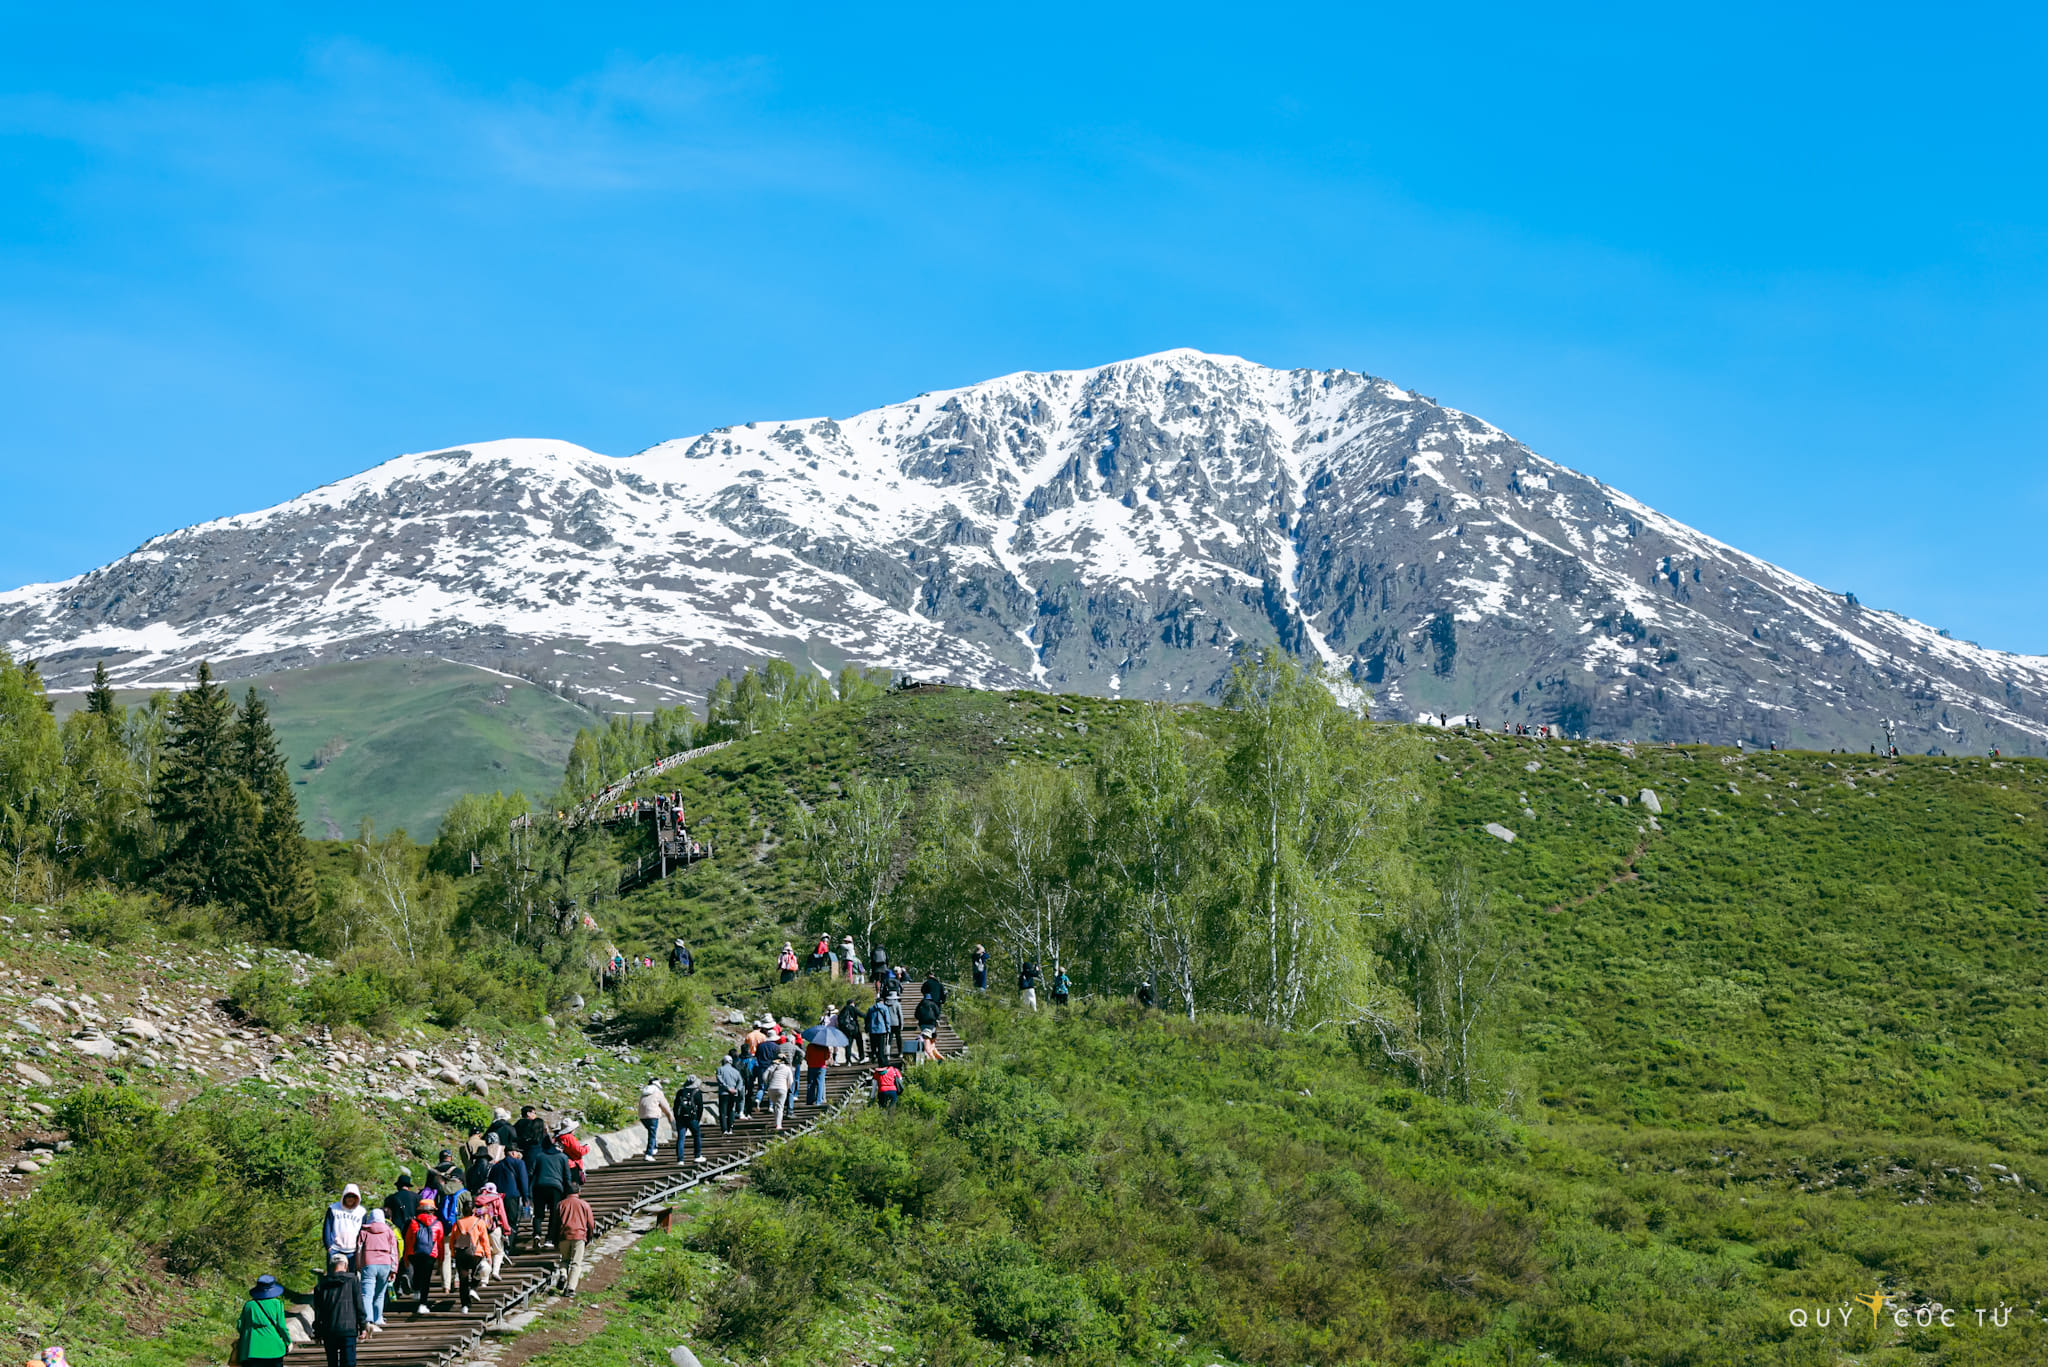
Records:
x=551, y=1170
x=689, y=1102
x=338, y=1306
x=928, y=1011
x=934, y=989
x=400, y=1206
x=501, y=1134
x=529, y=1133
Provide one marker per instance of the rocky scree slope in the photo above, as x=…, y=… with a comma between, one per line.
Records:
x=1116, y=531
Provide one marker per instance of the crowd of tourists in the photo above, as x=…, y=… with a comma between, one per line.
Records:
x=516, y=1184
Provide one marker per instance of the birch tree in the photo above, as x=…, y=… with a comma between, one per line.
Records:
x=850, y=845
x=1151, y=835
x=1024, y=840
x=1314, y=801
x=1457, y=960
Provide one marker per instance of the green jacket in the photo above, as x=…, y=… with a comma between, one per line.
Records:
x=262, y=1333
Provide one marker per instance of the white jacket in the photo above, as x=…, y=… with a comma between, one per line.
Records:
x=652, y=1103
x=780, y=1077
x=343, y=1224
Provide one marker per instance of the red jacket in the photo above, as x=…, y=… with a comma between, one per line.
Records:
x=574, y=1148
x=888, y=1079
x=424, y=1234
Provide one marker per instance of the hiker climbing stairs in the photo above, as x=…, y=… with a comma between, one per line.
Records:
x=616, y=1191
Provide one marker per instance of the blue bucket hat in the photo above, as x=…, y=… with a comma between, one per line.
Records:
x=267, y=1288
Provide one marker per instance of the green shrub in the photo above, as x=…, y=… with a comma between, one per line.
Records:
x=664, y=1277
x=267, y=996
x=464, y=1113
x=605, y=1114
x=107, y=918
x=807, y=997
x=364, y=998
x=655, y=1008
x=786, y=1265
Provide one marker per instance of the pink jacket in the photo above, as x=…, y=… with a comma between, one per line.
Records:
x=376, y=1246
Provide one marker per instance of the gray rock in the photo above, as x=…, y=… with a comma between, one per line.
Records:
x=680, y=1356
x=27, y=1165
x=1500, y=832
x=1649, y=799
x=34, y=1075
x=479, y=1087
x=96, y=1046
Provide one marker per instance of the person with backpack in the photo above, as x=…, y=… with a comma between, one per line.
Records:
x=927, y=1011
x=888, y=1084
x=478, y=1170
x=398, y=1211
x=470, y=1242
x=934, y=988
x=376, y=1262
x=786, y=961
x=550, y=1185
x=579, y=1224
x=574, y=1150
x=1027, y=983
x=776, y=1084
x=821, y=955
x=447, y=1165
x=490, y=1204
x=765, y=1053
x=731, y=1086
x=690, y=1118
x=1062, y=986
x=344, y=1222
x=878, y=1030
x=980, y=960
x=878, y=963
x=508, y=1175
x=894, y=1001
x=424, y=1238
x=850, y=1026
x=452, y=1203
x=653, y=1109
x=261, y=1335
x=338, y=1313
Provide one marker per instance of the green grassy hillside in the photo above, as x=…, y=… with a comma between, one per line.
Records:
x=399, y=740
x=1774, y=1047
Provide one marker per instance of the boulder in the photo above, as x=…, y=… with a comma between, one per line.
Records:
x=137, y=1028
x=680, y=1356
x=1532, y=766
x=1500, y=832
x=96, y=1046
x=27, y=1165
x=53, y=1006
x=34, y=1075
x=479, y=1086
x=449, y=1076
x=1648, y=798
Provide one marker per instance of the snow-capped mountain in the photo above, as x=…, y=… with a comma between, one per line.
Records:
x=1116, y=530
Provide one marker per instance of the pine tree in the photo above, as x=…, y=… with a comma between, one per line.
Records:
x=199, y=804
x=99, y=701
x=273, y=872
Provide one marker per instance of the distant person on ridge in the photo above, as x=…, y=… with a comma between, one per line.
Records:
x=1062, y=986
x=1027, y=983
x=980, y=960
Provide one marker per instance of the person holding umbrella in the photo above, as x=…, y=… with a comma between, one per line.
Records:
x=819, y=1042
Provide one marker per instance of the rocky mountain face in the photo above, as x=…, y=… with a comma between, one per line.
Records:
x=1120, y=530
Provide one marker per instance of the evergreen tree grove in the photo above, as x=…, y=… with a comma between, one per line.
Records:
x=201, y=805
x=273, y=871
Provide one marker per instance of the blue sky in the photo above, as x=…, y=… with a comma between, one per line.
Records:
x=1781, y=275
